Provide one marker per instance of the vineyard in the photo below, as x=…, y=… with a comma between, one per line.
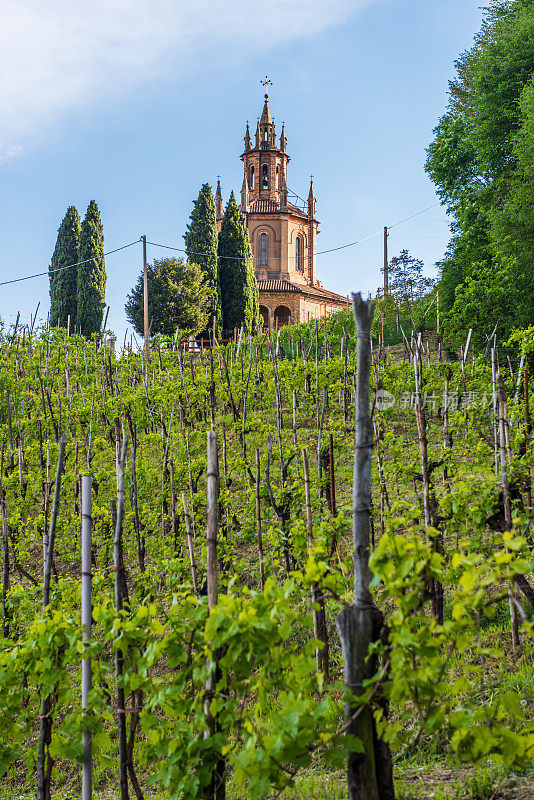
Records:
x=217, y=491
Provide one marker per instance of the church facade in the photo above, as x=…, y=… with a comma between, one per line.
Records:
x=282, y=231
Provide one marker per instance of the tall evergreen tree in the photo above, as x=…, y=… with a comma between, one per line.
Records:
x=63, y=281
x=91, y=283
x=201, y=248
x=239, y=288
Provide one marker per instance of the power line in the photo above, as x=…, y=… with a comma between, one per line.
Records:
x=68, y=266
x=415, y=215
x=271, y=258
x=234, y=258
x=403, y=233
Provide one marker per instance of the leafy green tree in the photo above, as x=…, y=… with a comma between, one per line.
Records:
x=239, y=288
x=488, y=296
x=480, y=161
x=201, y=248
x=178, y=298
x=62, y=275
x=408, y=286
x=91, y=278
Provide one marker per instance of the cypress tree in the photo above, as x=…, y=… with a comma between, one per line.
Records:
x=201, y=248
x=63, y=281
x=91, y=289
x=239, y=288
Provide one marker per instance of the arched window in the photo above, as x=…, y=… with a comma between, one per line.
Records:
x=264, y=250
x=251, y=178
x=278, y=179
x=298, y=254
x=265, y=177
x=282, y=316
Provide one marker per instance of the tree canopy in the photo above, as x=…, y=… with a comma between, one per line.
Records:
x=178, y=298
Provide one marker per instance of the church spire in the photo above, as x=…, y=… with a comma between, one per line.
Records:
x=244, y=193
x=266, y=118
x=283, y=140
x=266, y=126
x=219, y=206
x=283, y=191
x=248, y=142
x=311, y=200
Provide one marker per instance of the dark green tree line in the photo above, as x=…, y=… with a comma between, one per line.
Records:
x=481, y=163
x=77, y=272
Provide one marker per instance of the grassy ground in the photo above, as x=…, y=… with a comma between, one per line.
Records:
x=428, y=782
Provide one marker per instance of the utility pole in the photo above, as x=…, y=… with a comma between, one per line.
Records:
x=386, y=262
x=145, y=299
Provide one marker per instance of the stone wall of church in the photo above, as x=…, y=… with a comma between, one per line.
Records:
x=302, y=308
x=316, y=308
x=282, y=231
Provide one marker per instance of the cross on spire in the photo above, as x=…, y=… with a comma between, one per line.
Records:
x=266, y=82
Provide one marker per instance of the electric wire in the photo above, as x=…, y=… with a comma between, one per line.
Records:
x=68, y=266
x=233, y=258
x=414, y=215
x=403, y=233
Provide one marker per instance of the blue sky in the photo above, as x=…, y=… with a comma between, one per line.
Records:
x=136, y=103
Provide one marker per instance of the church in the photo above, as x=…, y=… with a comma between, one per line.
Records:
x=283, y=234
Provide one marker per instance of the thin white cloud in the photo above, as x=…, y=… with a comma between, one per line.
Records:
x=58, y=56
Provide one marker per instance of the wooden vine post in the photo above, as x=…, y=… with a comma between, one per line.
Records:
x=216, y=790
x=87, y=613
x=258, y=520
x=369, y=774
x=320, y=630
x=119, y=598
x=44, y=770
x=503, y=460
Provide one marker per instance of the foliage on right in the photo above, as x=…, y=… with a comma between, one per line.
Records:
x=481, y=162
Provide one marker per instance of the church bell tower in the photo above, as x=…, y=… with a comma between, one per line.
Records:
x=282, y=233
x=265, y=164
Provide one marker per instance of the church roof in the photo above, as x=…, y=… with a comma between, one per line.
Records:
x=260, y=206
x=283, y=285
x=263, y=206
x=278, y=286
